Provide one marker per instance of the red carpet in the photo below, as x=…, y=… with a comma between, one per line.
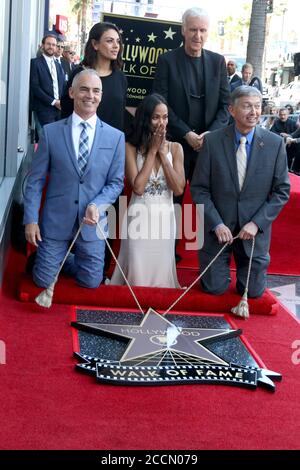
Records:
x=285, y=244
x=67, y=291
x=45, y=404
x=285, y=259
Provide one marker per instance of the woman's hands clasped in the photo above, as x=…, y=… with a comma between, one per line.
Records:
x=158, y=139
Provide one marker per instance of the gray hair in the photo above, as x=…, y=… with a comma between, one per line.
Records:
x=247, y=65
x=194, y=12
x=242, y=91
x=90, y=72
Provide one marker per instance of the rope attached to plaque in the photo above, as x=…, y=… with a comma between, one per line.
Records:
x=44, y=299
x=241, y=309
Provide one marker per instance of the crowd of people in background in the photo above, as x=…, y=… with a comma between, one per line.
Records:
x=284, y=121
x=203, y=101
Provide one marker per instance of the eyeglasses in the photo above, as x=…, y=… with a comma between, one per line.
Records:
x=249, y=107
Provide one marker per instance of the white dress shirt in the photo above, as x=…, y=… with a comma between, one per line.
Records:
x=77, y=128
x=49, y=61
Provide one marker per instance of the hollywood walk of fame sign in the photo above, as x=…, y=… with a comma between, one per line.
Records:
x=159, y=351
x=144, y=40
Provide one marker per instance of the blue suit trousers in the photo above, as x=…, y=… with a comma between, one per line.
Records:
x=86, y=264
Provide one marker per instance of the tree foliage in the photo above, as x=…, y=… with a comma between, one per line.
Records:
x=257, y=35
x=80, y=7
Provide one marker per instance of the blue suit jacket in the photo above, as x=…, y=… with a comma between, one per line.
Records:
x=41, y=89
x=68, y=193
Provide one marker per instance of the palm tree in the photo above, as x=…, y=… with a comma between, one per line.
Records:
x=80, y=8
x=257, y=35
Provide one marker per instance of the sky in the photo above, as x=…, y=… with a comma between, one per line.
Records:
x=219, y=8
x=173, y=9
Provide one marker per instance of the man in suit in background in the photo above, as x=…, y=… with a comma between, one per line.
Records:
x=247, y=78
x=84, y=158
x=58, y=54
x=232, y=75
x=194, y=83
x=67, y=61
x=46, y=84
x=285, y=126
x=241, y=178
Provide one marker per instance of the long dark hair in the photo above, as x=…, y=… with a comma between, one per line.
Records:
x=140, y=133
x=90, y=55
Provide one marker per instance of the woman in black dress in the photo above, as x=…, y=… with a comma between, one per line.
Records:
x=103, y=52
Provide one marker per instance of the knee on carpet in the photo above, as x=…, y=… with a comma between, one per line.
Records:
x=89, y=282
x=42, y=281
x=253, y=292
x=42, y=278
x=215, y=289
x=256, y=293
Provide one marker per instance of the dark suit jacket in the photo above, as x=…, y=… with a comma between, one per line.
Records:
x=255, y=82
x=172, y=82
x=264, y=193
x=236, y=83
x=296, y=135
x=235, y=78
x=41, y=89
x=288, y=127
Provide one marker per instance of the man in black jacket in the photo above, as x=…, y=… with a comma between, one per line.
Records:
x=285, y=126
x=293, y=149
x=194, y=83
x=46, y=84
x=233, y=77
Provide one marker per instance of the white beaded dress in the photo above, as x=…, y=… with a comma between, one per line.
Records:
x=147, y=253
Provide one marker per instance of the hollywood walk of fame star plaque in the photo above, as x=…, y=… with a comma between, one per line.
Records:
x=128, y=348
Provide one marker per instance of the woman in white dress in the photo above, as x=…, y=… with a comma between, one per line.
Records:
x=154, y=170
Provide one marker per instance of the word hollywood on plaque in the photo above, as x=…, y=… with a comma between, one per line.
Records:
x=144, y=40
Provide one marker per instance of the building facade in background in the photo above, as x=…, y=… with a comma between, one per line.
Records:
x=21, y=27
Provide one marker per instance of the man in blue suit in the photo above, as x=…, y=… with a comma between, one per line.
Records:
x=46, y=84
x=75, y=192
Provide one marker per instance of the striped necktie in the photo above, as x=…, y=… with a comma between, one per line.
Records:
x=83, y=152
x=241, y=158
